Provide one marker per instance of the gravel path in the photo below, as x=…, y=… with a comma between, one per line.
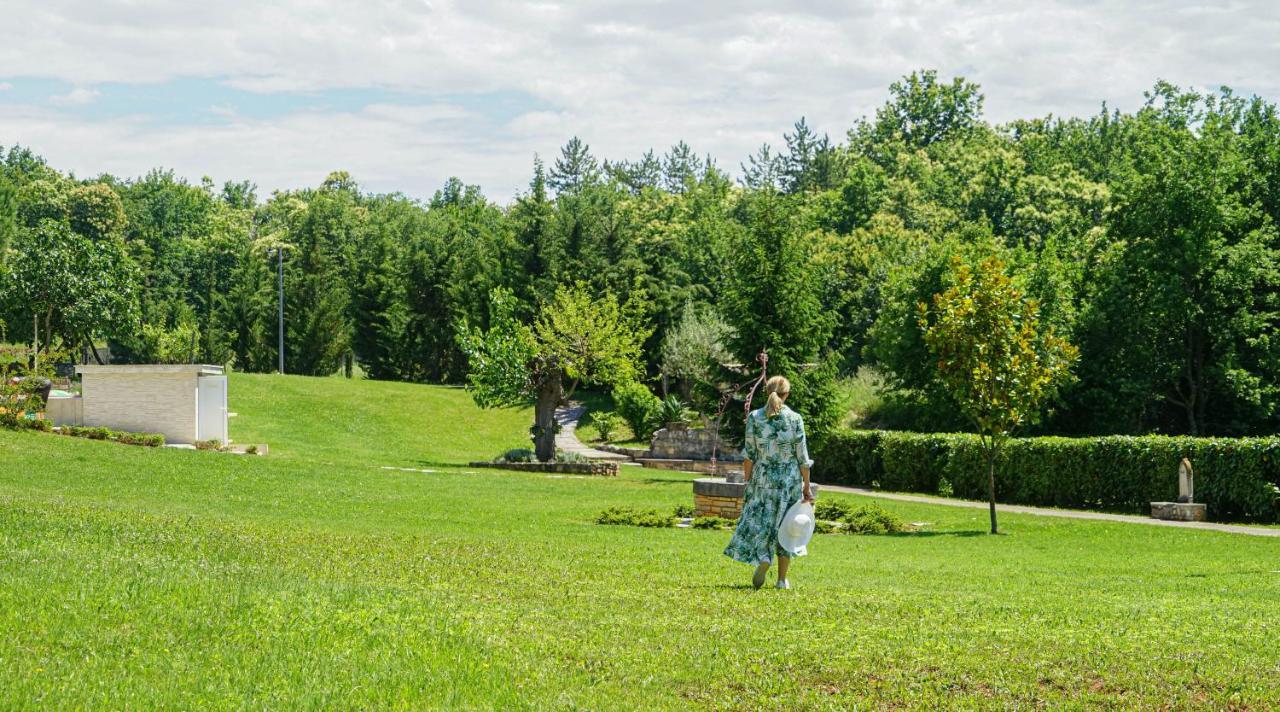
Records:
x=1066, y=513
x=567, y=438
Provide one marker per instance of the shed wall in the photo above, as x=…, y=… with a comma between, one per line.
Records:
x=142, y=402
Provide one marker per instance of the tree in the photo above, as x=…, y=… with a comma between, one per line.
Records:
x=922, y=111
x=577, y=338
x=772, y=301
x=993, y=356
x=575, y=169
x=692, y=351
x=80, y=289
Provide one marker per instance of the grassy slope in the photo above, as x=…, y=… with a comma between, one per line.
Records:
x=133, y=577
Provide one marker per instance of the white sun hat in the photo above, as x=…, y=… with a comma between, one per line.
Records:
x=797, y=528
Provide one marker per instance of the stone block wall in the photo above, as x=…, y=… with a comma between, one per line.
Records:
x=705, y=505
x=690, y=444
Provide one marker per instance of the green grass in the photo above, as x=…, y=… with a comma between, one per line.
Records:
x=140, y=578
x=346, y=421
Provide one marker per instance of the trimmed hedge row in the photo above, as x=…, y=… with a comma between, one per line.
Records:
x=1238, y=478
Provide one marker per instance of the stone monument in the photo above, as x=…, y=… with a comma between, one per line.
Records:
x=1185, y=509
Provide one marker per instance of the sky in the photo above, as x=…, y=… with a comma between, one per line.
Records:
x=404, y=94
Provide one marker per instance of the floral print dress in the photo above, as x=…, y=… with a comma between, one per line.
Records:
x=777, y=450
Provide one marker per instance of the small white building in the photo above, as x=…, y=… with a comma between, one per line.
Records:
x=185, y=403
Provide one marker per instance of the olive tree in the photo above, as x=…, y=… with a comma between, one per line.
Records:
x=993, y=356
x=576, y=339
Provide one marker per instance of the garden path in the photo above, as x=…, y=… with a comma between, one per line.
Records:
x=1048, y=512
x=567, y=439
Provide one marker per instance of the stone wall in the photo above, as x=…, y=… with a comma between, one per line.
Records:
x=681, y=443
x=602, y=469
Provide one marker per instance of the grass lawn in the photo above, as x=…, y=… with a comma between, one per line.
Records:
x=136, y=578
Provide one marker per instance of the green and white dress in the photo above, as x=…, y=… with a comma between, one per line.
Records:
x=777, y=450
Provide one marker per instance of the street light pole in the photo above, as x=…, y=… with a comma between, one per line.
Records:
x=280, y=279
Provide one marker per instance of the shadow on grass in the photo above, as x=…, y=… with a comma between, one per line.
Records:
x=665, y=481
x=923, y=534
x=438, y=463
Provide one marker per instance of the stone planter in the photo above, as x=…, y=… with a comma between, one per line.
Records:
x=715, y=497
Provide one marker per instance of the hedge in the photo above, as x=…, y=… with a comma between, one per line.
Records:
x=1238, y=478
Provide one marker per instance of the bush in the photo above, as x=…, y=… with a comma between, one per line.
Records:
x=639, y=407
x=606, y=424
x=98, y=433
x=634, y=517
x=251, y=450
x=208, y=444
x=867, y=519
x=871, y=519
x=712, y=523
x=519, y=454
x=1238, y=478
x=683, y=511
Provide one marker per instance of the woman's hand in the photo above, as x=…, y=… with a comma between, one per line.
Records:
x=808, y=494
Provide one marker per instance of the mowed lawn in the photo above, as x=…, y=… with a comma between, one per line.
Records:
x=135, y=578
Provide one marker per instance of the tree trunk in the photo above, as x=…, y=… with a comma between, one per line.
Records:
x=991, y=487
x=550, y=392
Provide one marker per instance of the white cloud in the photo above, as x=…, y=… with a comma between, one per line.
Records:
x=5, y=86
x=724, y=76
x=76, y=97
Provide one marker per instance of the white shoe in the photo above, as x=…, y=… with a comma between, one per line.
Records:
x=758, y=580
x=784, y=585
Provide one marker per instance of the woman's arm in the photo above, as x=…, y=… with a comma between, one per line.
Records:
x=802, y=454
x=746, y=470
x=749, y=446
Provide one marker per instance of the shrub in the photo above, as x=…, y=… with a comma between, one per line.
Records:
x=208, y=444
x=519, y=454
x=683, y=511
x=573, y=457
x=251, y=450
x=867, y=519
x=871, y=519
x=672, y=410
x=98, y=433
x=832, y=510
x=1238, y=478
x=849, y=457
x=633, y=517
x=639, y=407
x=712, y=523
x=145, y=439
x=606, y=424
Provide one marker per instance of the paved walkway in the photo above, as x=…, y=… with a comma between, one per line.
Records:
x=1066, y=513
x=567, y=438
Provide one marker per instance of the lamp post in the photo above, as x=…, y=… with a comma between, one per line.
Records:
x=278, y=253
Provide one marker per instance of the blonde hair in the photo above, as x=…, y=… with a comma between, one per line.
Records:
x=777, y=387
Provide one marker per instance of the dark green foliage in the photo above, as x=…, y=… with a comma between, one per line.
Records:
x=683, y=511
x=1239, y=479
x=634, y=516
x=712, y=523
x=639, y=407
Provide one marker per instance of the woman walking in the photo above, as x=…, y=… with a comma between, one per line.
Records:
x=776, y=469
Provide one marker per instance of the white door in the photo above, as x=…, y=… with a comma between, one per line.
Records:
x=211, y=408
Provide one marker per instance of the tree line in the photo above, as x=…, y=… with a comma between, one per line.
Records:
x=1147, y=239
